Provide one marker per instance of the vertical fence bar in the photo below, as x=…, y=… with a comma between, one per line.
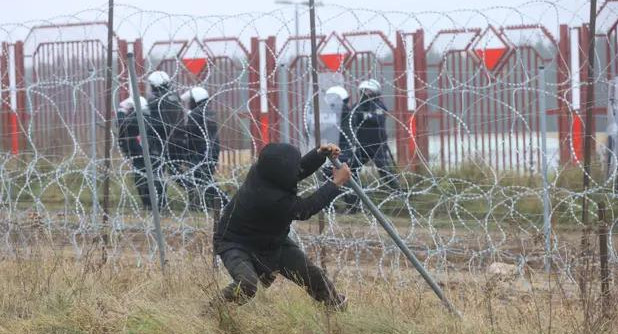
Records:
x=603, y=232
x=420, y=86
x=108, y=109
x=546, y=203
x=254, y=97
x=274, y=116
x=20, y=93
x=5, y=106
x=400, y=92
x=563, y=60
x=284, y=106
x=93, y=148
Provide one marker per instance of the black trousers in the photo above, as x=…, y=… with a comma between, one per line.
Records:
x=247, y=269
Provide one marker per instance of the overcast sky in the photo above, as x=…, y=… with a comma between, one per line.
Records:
x=25, y=10
x=157, y=20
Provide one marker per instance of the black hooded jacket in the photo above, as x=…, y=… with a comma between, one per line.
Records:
x=259, y=216
x=202, y=132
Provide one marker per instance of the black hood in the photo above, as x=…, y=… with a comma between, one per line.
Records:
x=280, y=164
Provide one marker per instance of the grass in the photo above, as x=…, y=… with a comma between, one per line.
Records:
x=44, y=290
x=47, y=292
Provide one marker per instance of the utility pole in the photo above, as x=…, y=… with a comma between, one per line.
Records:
x=108, y=109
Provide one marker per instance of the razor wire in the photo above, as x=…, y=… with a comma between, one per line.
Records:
x=458, y=205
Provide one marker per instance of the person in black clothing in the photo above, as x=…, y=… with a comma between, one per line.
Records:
x=252, y=235
x=202, y=149
x=167, y=136
x=128, y=140
x=367, y=126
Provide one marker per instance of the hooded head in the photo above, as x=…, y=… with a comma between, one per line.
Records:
x=280, y=165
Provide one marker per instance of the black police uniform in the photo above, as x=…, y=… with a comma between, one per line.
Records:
x=203, y=154
x=365, y=126
x=128, y=140
x=167, y=137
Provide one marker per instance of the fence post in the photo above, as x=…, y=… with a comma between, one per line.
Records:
x=402, y=132
x=420, y=118
x=93, y=148
x=254, y=96
x=604, y=258
x=586, y=95
x=5, y=105
x=284, y=103
x=546, y=203
x=563, y=59
x=20, y=94
x=273, y=115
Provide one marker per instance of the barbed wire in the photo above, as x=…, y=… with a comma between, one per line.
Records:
x=464, y=131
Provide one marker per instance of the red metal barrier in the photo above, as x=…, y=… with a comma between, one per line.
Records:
x=471, y=99
x=65, y=64
x=227, y=82
x=410, y=101
x=489, y=106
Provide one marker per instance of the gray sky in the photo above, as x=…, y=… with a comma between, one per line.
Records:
x=25, y=10
x=157, y=20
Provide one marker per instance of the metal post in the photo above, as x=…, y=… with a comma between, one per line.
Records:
x=314, y=74
x=612, y=133
x=589, y=104
x=604, y=259
x=93, y=148
x=156, y=219
x=296, y=28
x=108, y=109
x=316, y=101
x=285, y=112
x=546, y=203
x=388, y=226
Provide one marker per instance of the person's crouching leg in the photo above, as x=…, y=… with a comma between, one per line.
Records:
x=299, y=269
x=239, y=265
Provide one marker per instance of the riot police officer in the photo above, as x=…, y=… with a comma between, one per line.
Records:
x=367, y=126
x=128, y=140
x=202, y=148
x=167, y=137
